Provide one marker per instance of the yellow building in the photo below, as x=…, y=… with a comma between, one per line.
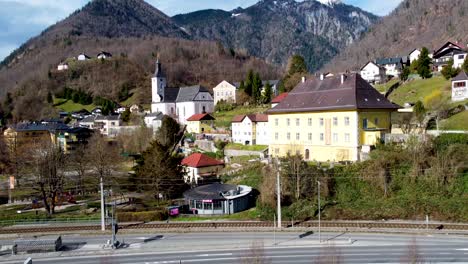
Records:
x=200, y=123
x=330, y=119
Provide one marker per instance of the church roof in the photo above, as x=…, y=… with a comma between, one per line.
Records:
x=183, y=94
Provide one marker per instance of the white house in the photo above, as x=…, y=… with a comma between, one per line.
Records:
x=179, y=103
x=414, y=55
x=393, y=66
x=225, y=91
x=62, y=66
x=250, y=129
x=88, y=122
x=460, y=87
x=108, y=125
x=200, y=168
x=446, y=53
x=373, y=73
x=458, y=59
x=154, y=120
x=104, y=55
x=83, y=57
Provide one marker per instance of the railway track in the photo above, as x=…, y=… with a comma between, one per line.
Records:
x=236, y=225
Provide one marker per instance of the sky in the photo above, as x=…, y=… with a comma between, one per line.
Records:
x=23, y=19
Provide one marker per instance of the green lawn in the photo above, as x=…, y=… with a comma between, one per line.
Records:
x=456, y=122
x=385, y=86
x=419, y=89
x=224, y=119
x=70, y=106
x=237, y=146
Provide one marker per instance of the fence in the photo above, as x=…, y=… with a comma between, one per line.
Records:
x=62, y=221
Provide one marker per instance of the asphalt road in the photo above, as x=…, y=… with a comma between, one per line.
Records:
x=248, y=247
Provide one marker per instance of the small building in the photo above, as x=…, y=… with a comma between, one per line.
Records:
x=414, y=55
x=96, y=111
x=154, y=120
x=201, y=169
x=62, y=66
x=447, y=52
x=373, y=73
x=200, y=123
x=459, y=59
x=135, y=109
x=460, y=87
x=87, y=122
x=250, y=129
x=219, y=199
x=104, y=55
x=33, y=132
x=393, y=66
x=278, y=99
x=83, y=57
x=81, y=114
x=108, y=125
x=120, y=109
x=70, y=139
x=225, y=91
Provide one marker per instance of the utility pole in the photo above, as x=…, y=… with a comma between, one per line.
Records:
x=278, y=193
x=103, y=218
x=318, y=195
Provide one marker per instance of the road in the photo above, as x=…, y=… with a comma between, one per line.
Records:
x=247, y=247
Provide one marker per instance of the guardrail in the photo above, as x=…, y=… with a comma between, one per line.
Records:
x=86, y=221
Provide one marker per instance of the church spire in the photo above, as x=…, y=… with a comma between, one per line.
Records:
x=158, y=72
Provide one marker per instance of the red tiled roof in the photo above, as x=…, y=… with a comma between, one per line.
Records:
x=279, y=98
x=199, y=117
x=252, y=117
x=198, y=160
x=238, y=118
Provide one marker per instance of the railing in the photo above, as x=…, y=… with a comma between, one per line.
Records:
x=63, y=221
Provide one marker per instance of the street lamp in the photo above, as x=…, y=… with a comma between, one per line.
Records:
x=318, y=198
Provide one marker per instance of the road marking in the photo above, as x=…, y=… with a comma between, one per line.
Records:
x=212, y=255
x=462, y=249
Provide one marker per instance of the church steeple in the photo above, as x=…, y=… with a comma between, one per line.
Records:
x=158, y=82
x=158, y=72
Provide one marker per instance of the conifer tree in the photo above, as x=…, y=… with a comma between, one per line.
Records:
x=256, y=88
x=267, y=93
x=424, y=64
x=464, y=66
x=448, y=71
x=249, y=83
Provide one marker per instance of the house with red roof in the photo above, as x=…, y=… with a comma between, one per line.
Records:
x=201, y=169
x=278, y=99
x=200, y=123
x=250, y=129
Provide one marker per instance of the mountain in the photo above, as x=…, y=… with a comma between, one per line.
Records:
x=277, y=29
x=413, y=24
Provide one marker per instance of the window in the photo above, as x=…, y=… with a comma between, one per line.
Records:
x=376, y=121
x=298, y=136
x=347, y=137
x=459, y=84
x=217, y=205
x=335, y=137
x=346, y=121
x=310, y=137
x=204, y=109
x=307, y=154
x=309, y=121
x=335, y=121
x=288, y=122
x=288, y=136
x=461, y=57
x=321, y=136
x=364, y=123
x=276, y=136
x=321, y=121
x=298, y=122
x=276, y=121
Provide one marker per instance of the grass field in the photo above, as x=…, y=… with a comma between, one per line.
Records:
x=224, y=119
x=237, y=146
x=385, y=86
x=70, y=106
x=419, y=89
x=456, y=122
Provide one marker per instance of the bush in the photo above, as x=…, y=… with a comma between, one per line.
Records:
x=142, y=216
x=445, y=140
x=223, y=106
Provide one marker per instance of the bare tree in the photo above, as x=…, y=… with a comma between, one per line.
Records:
x=103, y=157
x=255, y=254
x=79, y=162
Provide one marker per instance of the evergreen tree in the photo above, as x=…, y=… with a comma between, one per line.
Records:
x=168, y=133
x=464, y=66
x=281, y=87
x=249, y=83
x=424, y=64
x=50, y=99
x=448, y=71
x=126, y=115
x=296, y=64
x=267, y=93
x=242, y=85
x=405, y=73
x=256, y=88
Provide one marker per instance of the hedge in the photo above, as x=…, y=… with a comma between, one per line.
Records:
x=142, y=216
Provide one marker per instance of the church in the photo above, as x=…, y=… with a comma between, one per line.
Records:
x=179, y=103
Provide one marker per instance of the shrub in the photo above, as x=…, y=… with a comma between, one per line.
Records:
x=223, y=106
x=148, y=216
x=445, y=140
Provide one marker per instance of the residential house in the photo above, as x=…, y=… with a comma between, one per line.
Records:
x=460, y=87
x=69, y=140
x=154, y=120
x=459, y=59
x=96, y=111
x=179, y=103
x=393, y=66
x=83, y=57
x=33, y=133
x=108, y=125
x=275, y=101
x=104, y=55
x=135, y=108
x=373, y=73
x=225, y=91
x=88, y=122
x=200, y=123
x=333, y=119
x=201, y=169
x=80, y=114
x=120, y=109
x=62, y=66
x=250, y=129
x=447, y=52
x=414, y=55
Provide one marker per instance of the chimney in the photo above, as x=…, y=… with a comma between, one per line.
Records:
x=343, y=78
x=322, y=77
x=303, y=79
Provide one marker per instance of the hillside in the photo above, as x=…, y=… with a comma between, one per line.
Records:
x=414, y=24
x=277, y=29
